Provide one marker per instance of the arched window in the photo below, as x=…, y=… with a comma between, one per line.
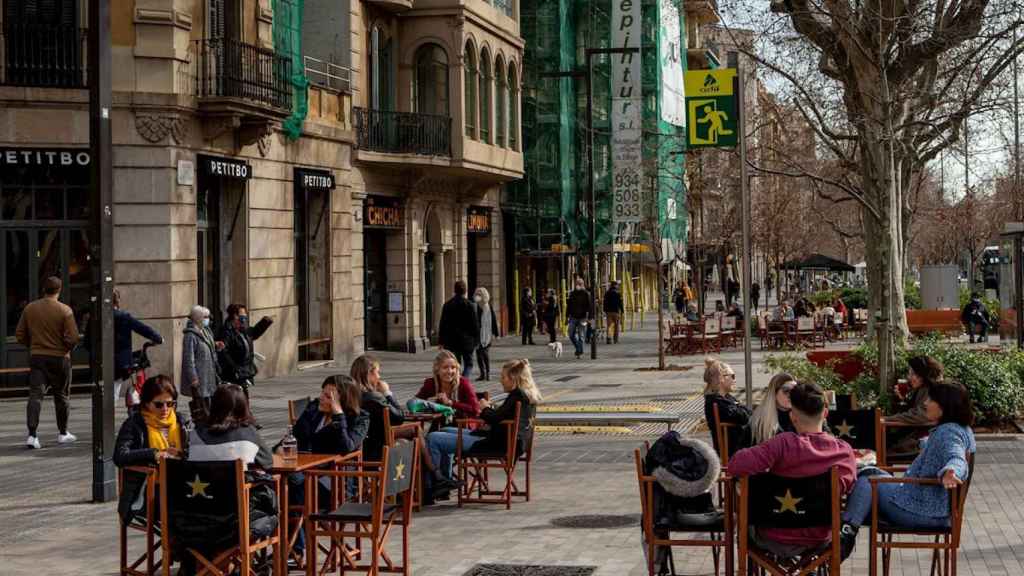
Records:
x=469, y=91
x=500, y=103
x=431, y=80
x=513, y=107
x=485, y=96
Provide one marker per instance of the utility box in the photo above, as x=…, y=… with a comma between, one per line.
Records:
x=940, y=287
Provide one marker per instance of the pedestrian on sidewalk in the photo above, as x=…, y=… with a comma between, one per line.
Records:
x=755, y=295
x=47, y=328
x=528, y=316
x=613, y=310
x=551, y=315
x=199, y=366
x=124, y=326
x=237, y=359
x=579, y=312
x=488, y=322
x=459, y=329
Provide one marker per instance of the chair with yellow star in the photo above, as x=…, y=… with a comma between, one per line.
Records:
x=943, y=542
x=858, y=428
x=387, y=505
x=296, y=407
x=145, y=521
x=202, y=506
x=768, y=501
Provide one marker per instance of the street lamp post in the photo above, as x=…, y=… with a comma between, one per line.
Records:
x=586, y=75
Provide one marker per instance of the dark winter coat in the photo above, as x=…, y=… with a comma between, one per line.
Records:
x=686, y=470
x=124, y=325
x=613, y=302
x=578, y=306
x=459, y=329
x=131, y=448
x=343, y=434
x=375, y=405
x=975, y=311
x=496, y=439
x=243, y=443
x=198, y=363
x=551, y=310
x=236, y=360
x=730, y=411
x=527, y=310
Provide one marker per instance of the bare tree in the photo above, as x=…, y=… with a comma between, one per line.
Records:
x=886, y=87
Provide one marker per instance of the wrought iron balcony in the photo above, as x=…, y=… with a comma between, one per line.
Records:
x=403, y=132
x=48, y=56
x=229, y=69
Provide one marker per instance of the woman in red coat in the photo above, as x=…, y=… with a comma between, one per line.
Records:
x=448, y=387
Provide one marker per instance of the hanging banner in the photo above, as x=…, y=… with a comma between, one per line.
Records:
x=627, y=107
x=673, y=95
x=711, y=109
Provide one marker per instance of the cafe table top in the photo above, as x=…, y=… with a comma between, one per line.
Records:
x=305, y=461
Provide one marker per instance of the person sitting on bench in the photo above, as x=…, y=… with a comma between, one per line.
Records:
x=809, y=451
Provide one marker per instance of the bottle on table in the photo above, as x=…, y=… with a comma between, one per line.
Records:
x=289, y=447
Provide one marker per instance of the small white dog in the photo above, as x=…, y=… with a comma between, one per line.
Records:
x=556, y=349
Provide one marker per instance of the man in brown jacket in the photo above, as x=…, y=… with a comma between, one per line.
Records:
x=47, y=327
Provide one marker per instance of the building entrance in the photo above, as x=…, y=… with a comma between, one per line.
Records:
x=312, y=270
x=221, y=224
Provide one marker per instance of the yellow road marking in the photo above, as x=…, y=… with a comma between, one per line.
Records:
x=584, y=429
x=603, y=408
x=556, y=394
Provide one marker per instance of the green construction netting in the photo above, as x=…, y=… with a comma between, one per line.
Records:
x=288, y=41
x=551, y=198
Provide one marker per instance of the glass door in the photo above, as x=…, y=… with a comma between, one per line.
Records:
x=312, y=274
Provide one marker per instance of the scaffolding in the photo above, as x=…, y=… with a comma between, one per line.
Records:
x=549, y=203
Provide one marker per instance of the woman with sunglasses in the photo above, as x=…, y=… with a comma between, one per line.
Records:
x=771, y=417
x=719, y=382
x=154, y=432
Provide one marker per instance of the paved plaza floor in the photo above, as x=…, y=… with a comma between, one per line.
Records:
x=47, y=523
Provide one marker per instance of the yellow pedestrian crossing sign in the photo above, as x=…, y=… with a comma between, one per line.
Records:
x=711, y=108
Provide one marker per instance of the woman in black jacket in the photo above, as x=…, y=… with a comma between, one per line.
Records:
x=551, y=314
x=155, y=432
x=517, y=381
x=719, y=381
x=236, y=359
x=344, y=423
x=376, y=401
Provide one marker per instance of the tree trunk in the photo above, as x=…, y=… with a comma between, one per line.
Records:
x=661, y=317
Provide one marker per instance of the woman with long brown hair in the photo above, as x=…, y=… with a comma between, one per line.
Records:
x=229, y=433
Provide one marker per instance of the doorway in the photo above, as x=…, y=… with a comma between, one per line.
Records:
x=471, y=261
x=376, y=285
x=221, y=226
x=312, y=273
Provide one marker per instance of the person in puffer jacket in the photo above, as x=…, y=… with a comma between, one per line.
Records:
x=686, y=470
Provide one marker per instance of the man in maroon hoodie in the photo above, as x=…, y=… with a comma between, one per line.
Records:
x=807, y=452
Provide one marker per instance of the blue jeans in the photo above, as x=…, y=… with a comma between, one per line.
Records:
x=858, y=507
x=441, y=445
x=466, y=360
x=576, y=333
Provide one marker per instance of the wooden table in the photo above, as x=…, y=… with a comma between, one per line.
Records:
x=304, y=461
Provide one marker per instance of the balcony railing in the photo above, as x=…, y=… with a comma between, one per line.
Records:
x=48, y=56
x=403, y=132
x=232, y=69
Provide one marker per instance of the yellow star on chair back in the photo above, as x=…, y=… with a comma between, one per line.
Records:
x=198, y=488
x=788, y=503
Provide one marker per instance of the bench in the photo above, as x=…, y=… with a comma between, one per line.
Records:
x=927, y=321
x=607, y=418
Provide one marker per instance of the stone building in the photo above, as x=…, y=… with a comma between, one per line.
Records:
x=258, y=144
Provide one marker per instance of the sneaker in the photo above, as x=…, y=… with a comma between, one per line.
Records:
x=33, y=443
x=66, y=438
x=847, y=541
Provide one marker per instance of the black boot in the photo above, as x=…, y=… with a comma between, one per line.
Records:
x=847, y=540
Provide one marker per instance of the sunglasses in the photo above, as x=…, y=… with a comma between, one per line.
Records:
x=160, y=405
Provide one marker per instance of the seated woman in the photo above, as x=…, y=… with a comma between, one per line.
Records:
x=448, y=387
x=335, y=422
x=229, y=432
x=771, y=417
x=377, y=401
x=517, y=381
x=924, y=373
x=944, y=456
x=155, y=432
x=719, y=381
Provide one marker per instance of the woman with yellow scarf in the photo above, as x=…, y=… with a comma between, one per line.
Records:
x=154, y=431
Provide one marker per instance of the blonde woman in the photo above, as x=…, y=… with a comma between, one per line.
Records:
x=375, y=400
x=488, y=322
x=719, y=382
x=771, y=417
x=448, y=387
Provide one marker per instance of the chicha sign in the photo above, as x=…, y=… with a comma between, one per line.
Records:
x=383, y=212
